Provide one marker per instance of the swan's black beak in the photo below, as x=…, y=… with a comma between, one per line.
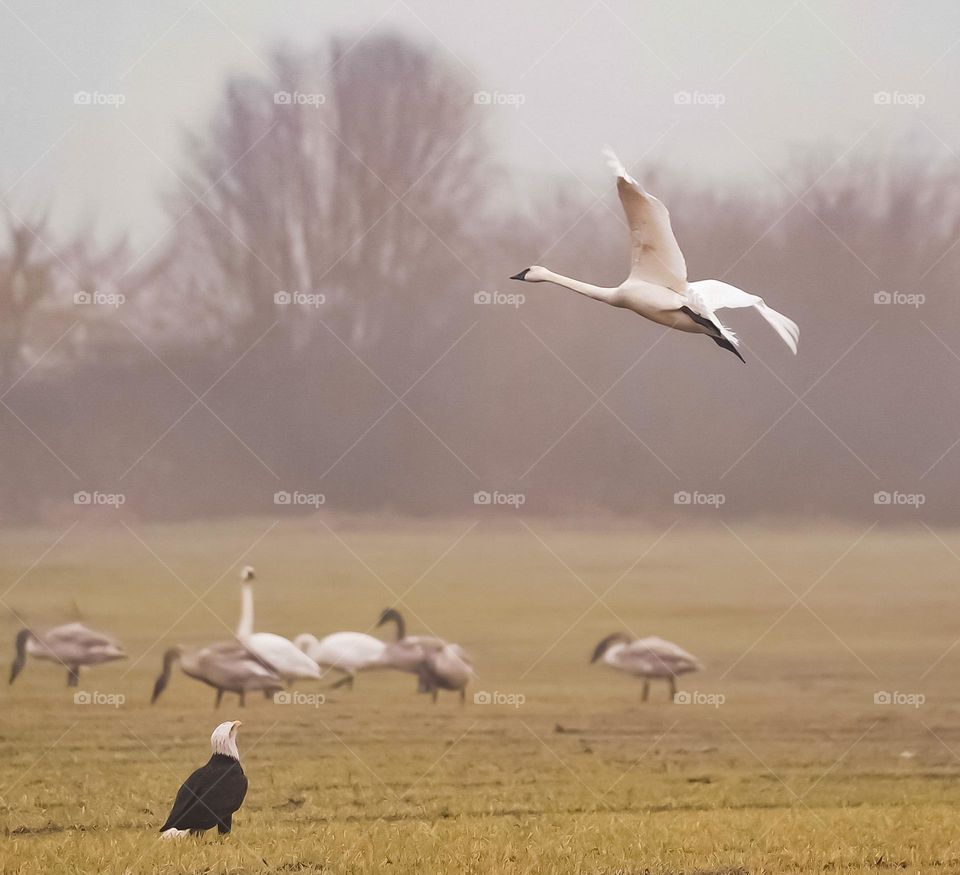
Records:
x=522, y=275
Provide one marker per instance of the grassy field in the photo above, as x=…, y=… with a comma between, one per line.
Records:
x=782, y=761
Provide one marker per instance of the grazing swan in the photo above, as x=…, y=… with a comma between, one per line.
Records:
x=227, y=666
x=406, y=652
x=213, y=793
x=72, y=645
x=438, y=664
x=445, y=667
x=648, y=658
x=392, y=615
x=657, y=286
x=278, y=653
x=345, y=652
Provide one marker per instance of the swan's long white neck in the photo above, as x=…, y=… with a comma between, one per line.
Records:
x=598, y=293
x=245, y=626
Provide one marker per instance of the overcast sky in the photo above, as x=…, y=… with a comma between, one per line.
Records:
x=763, y=76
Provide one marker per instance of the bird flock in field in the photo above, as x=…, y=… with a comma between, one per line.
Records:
x=657, y=289
x=268, y=663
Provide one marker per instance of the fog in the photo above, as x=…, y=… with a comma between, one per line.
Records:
x=257, y=261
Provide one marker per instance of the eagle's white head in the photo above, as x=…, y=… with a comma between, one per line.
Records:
x=247, y=573
x=224, y=739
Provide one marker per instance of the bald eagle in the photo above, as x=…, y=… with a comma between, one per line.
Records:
x=210, y=796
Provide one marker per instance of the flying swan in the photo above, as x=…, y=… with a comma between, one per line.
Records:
x=657, y=286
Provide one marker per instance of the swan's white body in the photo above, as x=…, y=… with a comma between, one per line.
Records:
x=657, y=287
x=73, y=645
x=279, y=653
x=648, y=658
x=346, y=652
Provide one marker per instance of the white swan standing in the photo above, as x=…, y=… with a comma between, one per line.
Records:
x=657, y=286
x=279, y=653
x=227, y=666
x=73, y=645
x=649, y=658
x=344, y=652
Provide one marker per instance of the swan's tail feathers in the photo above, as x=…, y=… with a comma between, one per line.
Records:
x=786, y=328
x=616, y=165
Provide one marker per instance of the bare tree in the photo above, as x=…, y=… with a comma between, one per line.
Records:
x=344, y=176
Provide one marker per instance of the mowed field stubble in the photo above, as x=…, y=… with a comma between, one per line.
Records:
x=785, y=757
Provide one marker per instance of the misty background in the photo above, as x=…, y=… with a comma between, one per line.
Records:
x=250, y=251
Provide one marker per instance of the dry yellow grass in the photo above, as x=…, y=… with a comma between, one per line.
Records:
x=798, y=770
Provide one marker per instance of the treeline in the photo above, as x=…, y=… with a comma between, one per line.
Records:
x=314, y=323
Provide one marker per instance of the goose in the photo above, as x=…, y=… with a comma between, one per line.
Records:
x=445, y=667
x=227, y=666
x=345, y=652
x=213, y=793
x=657, y=286
x=648, y=658
x=280, y=654
x=72, y=645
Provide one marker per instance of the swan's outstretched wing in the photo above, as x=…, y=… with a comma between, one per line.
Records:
x=656, y=256
x=709, y=295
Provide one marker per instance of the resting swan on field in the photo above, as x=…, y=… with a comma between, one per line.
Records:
x=344, y=652
x=657, y=287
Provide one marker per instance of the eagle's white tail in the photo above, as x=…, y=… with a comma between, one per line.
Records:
x=174, y=833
